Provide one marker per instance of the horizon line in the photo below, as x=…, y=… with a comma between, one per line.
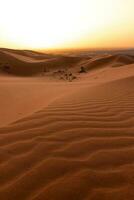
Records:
x=72, y=49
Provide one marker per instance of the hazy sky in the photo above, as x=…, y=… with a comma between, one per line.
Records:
x=66, y=23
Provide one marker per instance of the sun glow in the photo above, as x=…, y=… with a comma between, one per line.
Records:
x=65, y=23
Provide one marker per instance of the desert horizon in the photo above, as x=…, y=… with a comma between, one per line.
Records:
x=67, y=100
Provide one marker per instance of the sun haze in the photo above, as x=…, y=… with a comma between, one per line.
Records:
x=66, y=23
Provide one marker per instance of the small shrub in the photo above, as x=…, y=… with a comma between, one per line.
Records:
x=82, y=70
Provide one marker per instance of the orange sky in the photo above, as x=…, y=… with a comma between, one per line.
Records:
x=66, y=23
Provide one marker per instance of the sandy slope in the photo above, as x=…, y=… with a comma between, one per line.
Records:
x=20, y=97
x=73, y=140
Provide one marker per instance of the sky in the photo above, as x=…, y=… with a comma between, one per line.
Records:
x=55, y=24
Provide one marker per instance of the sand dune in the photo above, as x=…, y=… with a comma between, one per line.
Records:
x=109, y=60
x=27, y=63
x=22, y=96
x=12, y=64
x=30, y=63
x=76, y=140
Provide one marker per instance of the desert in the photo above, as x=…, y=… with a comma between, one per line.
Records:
x=66, y=125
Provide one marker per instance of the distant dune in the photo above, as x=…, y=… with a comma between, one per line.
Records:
x=30, y=63
x=109, y=60
x=66, y=140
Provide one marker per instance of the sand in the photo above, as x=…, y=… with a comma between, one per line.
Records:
x=68, y=140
